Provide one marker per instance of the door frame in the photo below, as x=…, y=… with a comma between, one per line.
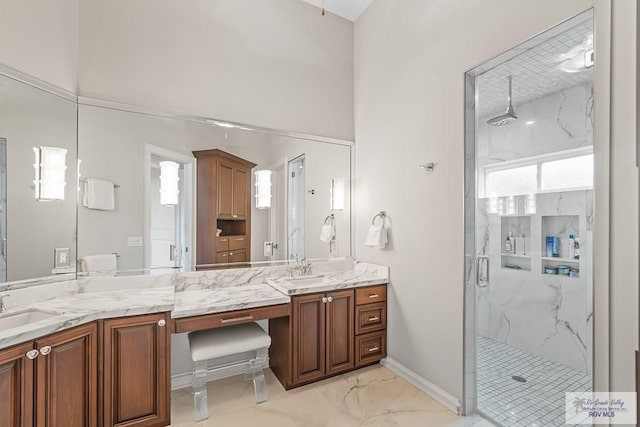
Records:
x=188, y=198
x=601, y=190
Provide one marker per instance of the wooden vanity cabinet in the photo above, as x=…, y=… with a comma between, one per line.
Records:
x=223, y=202
x=16, y=386
x=316, y=341
x=52, y=381
x=328, y=333
x=136, y=371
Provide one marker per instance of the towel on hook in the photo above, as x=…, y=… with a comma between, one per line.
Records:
x=99, y=194
x=377, y=235
x=100, y=263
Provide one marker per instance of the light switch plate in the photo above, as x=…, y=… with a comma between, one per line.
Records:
x=61, y=257
x=135, y=241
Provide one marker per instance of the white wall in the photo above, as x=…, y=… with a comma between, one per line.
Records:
x=271, y=63
x=410, y=60
x=40, y=38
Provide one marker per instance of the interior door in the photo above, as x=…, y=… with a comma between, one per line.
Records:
x=277, y=217
x=163, y=226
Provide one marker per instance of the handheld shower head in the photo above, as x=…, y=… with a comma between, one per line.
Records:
x=507, y=117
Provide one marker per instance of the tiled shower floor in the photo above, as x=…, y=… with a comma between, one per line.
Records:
x=540, y=401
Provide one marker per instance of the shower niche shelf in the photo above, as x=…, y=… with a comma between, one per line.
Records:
x=560, y=226
x=519, y=227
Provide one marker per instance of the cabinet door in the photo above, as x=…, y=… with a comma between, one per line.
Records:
x=240, y=193
x=16, y=387
x=67, y=378
x=340, y=331
x=225, y=191
x=238, y=256
x=308, y=317
x=136, y=371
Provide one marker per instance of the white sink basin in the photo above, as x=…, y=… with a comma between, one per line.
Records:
x=306, y=280
x=10, y=321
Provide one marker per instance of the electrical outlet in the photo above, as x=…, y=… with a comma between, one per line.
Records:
x=135, y=241
x=61, y=257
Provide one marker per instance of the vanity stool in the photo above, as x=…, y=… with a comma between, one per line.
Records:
x=224, y=352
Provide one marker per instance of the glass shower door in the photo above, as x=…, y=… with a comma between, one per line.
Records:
x=529, y=216
x=296, y=208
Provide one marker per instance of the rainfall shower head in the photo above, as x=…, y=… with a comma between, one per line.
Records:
x=507, y=117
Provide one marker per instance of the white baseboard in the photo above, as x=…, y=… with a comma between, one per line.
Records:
x=447, y=399
x=181, y=380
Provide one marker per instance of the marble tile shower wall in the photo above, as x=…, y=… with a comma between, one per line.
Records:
x=562, y=121
x=546, y=315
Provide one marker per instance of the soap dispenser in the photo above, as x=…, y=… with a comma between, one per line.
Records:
x=508, y=245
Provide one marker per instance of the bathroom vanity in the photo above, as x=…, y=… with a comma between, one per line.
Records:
x=89, y=361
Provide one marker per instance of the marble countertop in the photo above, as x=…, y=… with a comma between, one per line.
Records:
x=74, y=310
x=328, y=282
x=77, y=302
x=217, y=300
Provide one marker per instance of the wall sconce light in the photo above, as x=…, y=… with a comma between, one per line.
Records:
x=263, y=189
x=337, y=194
x=50, y=169
x=169, y=179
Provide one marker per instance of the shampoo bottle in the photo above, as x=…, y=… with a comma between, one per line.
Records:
x=508, y=245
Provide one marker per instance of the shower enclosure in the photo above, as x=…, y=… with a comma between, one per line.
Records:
x=3, y=210
x=529, y=219
x=295, y=211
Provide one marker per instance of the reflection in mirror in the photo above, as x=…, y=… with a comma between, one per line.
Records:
x=217, y=218
x=38, y=178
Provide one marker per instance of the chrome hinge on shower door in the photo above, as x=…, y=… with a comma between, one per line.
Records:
x=482, y=271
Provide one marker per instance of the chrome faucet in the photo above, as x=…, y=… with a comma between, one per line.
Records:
x=302, y=267
x=3, y=307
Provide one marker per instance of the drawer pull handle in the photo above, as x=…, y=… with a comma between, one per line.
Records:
x=239, y=238
x=45, y=350
x=236, y=319
x=162, y=322
x=32, y=354
x=372, y=349
x=373, y=319
x=373, y=295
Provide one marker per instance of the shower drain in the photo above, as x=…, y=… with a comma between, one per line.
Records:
x=519, y=379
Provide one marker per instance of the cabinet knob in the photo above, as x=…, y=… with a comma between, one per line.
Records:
x=330, y=299
x=32, y=354
x=45, y=350
x=324, y=300
x=162, y=322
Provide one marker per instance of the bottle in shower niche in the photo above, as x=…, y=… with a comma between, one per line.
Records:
x=508, y=245
x=576, y=248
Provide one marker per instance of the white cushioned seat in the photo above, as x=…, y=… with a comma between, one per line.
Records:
x=220, y=342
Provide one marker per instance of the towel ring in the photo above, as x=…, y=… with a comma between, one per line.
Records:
x=382, y=215
x=330, y=219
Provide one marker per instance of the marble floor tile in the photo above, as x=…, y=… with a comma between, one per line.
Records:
x=372, y=397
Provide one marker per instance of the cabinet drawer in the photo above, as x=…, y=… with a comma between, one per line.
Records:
x=222, y=257
x=371, y=294
x=216, y=320
x=238, y=256
x=222, y=243
x=370, y=348
x=371, y=317
x=237, y=242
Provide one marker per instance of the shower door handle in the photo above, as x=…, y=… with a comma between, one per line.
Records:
x=482, y=271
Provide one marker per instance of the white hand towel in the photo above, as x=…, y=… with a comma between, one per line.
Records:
x=104, y=262
x=376, y=236
x=327, y=233
x=99, y=194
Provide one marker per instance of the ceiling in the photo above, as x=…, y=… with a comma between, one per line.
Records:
x=535, y=73
x=349, y=9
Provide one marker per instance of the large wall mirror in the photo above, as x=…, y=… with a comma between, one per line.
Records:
x=159, y=193
x=38, y=188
